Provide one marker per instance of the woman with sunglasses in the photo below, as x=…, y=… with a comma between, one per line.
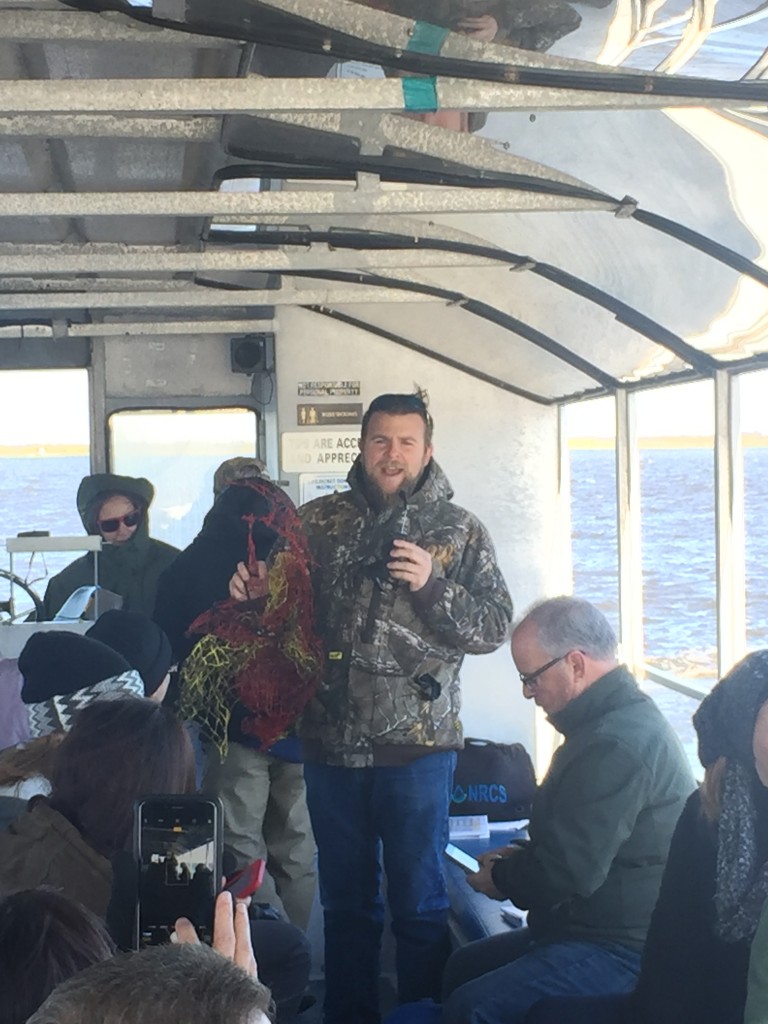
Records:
x=131, y=562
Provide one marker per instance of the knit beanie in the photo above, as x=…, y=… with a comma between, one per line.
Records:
x=725, y=719
x=57, y=662
x=139, y=640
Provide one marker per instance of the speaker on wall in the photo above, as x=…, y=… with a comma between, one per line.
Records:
x=249, y=354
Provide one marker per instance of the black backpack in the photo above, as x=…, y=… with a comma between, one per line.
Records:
x=495, y=779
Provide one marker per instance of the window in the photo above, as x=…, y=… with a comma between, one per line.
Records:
x=754, y=420
x=178, y=451
x=676, y=436
x=591, y=436
x=44, y=443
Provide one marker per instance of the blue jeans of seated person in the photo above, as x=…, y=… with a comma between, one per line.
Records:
x=497, y=980
x=358, y=814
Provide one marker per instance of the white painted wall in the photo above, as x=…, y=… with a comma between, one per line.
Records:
x=499, y=453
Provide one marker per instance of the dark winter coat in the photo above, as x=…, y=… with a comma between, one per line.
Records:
x=199, y=579
x=689, y=975
x=602, y=819
x=43, y=848
x=131, y=570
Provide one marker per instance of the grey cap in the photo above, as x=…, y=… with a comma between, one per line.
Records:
x=240, y=468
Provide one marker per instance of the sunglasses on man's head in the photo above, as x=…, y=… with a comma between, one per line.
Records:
x=113, y=525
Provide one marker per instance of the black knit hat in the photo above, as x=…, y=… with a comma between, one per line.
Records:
x=57, y=662
x=725, y=720
x=139, y=640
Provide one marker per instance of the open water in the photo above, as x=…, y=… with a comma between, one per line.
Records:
x=678, y=546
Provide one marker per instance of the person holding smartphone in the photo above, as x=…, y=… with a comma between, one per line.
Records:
x=116, y=751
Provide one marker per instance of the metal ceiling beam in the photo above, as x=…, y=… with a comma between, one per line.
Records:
x=234, y=207
x=110, y=126
x=174, y=96
x=440, y=357
x=136, y=330
x=40, y=284
x=378, y=131
x=146, y=259
x=24, y=26
x=212, y=298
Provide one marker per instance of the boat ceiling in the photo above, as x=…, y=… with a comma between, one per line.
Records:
x=193, y=165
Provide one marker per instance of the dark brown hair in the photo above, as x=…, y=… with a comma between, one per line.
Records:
x=45, y=938
x=401, y=405
x=17, y=764
x=117, y=751
x=173, y=984
x=712, y=789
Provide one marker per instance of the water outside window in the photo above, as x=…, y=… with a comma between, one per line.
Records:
x=755, y=441
x=677, y=526
x=677, y=486
x=45, y=453
x=178, y=451
x=590, y=428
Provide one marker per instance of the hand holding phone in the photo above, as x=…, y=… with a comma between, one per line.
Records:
x=231, y=932
x=464, y=860
x=178, y=847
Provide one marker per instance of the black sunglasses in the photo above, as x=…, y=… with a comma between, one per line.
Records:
x=113, y=525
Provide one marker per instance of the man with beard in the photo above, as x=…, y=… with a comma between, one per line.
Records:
x=406, y=584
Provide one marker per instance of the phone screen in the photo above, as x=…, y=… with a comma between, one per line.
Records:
x=465, y=860
x=180, y=869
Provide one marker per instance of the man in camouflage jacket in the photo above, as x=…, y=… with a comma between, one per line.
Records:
x=406, y=584
x=390, y=690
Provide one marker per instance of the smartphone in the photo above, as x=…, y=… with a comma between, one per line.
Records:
x=244, y=883
x=461, y=858
x=178, y=847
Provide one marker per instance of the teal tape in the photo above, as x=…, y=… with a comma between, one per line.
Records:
x=420, y=94
x=427, y=38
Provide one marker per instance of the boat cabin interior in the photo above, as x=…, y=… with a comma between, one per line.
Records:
x=240, y=221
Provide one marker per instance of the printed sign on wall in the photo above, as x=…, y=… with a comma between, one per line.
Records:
x=317, y=388
x=328, y=415
x=324, y=451
x=314, y=485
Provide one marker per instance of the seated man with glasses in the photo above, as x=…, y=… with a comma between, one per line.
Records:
x=600, y=829
x=131, y=562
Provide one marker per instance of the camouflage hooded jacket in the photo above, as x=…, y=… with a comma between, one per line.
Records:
x=392, y=657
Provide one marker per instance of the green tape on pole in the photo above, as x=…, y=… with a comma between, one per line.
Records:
x=420, y=94
x=427, y=38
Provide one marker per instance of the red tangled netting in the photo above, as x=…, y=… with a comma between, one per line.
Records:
x=262, y=654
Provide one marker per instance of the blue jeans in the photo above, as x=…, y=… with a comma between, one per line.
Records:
x=356, y=813
x=510, y=973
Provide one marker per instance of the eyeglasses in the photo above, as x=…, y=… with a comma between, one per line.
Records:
x=113, y=525
x=530, y=678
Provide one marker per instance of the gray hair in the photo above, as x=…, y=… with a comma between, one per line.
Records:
x=566, y=624
x=173, y=984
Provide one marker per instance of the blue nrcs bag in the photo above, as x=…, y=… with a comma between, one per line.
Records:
x=496, y=779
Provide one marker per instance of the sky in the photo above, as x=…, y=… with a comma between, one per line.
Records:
x=685, y=410
x=51, y=406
